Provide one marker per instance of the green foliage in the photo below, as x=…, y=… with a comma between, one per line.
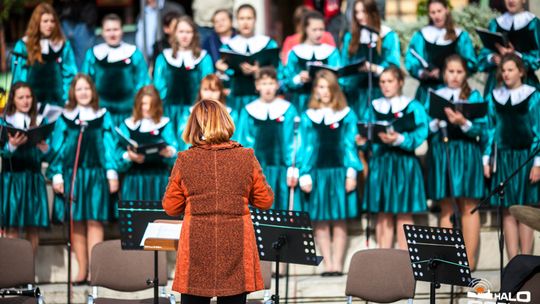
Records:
x=12, y=6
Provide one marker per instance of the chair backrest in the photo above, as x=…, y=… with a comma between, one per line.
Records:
x=16, y=262
x=266, y=270
x=381, y=275
x=125, y=270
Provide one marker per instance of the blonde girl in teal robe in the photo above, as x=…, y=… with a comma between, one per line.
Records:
x=178, y=70
x=23, y=193
x=246, y=42
x=146, y=176
x=432, y=44
x=465, y=146
x=356, y=44
x=49, y=66
x=523, y=31
x=311, y=50
x=117, y=68
x=514, y=123
x=211, y=87
x=329, y=167
x=96, y=175
x=268, y=125
x=395, y=185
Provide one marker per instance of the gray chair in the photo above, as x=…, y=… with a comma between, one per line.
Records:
x=17, y=268
x=125, y=271
x=380, y=275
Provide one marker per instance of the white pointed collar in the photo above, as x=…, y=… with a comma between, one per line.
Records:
x=395, y=104
x=85, y=113
x=263, y=110
x=365, y=35
x=519, y=20
x=306, y=51
x=328, y=115
x=114, y=54
x=435, y=35
x=256, y=43
x=146, y=124
x=184, y=58
x=516, y=96
x=47, y=45
x=449, y=93
x=19, y=120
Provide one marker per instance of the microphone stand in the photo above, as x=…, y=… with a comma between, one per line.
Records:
x=456, y=217
x=69, y=207
x=499, y=191
x=291, y=198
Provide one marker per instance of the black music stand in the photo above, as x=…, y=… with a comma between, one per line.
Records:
x=284, y=236
x=134, y=217
x=438, y=256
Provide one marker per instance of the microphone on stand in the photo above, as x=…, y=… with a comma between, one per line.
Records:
x=32, y=293
x=444, y=131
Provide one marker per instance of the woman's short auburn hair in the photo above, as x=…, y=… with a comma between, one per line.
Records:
x=208, y=123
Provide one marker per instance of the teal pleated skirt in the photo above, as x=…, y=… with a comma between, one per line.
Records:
x=276, y=176
x=519, y=191
x=24, y=199
x=92, y=200
x=395, y=184
x=145, y=184
x=328, y=200
x=466, y=167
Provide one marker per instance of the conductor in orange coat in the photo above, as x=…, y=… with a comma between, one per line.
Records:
x=212, y=184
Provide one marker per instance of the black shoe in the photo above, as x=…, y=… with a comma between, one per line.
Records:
x=326, y=274
x=80, y=283
x=337, y=274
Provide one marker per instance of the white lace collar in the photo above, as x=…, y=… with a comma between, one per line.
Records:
x=184, y=58
x=308, y=51
x=114, y=54
x=449, y=93
x=516, y=96
x=146, y=124
x=519, y=20
x=364, y=35
x=85, y=113
x=395, y=104
x=328, y=115
x=22, y=120
x=435, y=35
x=256, y=43
x=263, y=110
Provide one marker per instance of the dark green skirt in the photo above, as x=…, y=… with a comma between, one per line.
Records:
x=395, y=184
x=276, y=176
x=328, y=200
x=519, y=191
x=145, y=185
x=466, y=167
x=92, y=200
x=24, y=199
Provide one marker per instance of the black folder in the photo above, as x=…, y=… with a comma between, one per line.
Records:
x=140, y=148
x=406, y=123
x=347, y=70
x=35, y=134
x=264, y=57
x=489, y=39
x=471, y=111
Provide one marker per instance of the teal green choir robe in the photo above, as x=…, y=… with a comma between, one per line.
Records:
x=23, y=192
x=297, y=61
x=514, y=126
x=523, y=31
x=118, y=73
x=146, y=181
x=429, y=43
x=178, y=79
x=97, y=164
x=49, y=80
x=395, y=183
x=356, y=87
x=465, y=147
x=328, y=156
x=269, y=128
x=243, y=86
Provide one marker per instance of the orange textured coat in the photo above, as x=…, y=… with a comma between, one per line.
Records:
x=213, y=185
